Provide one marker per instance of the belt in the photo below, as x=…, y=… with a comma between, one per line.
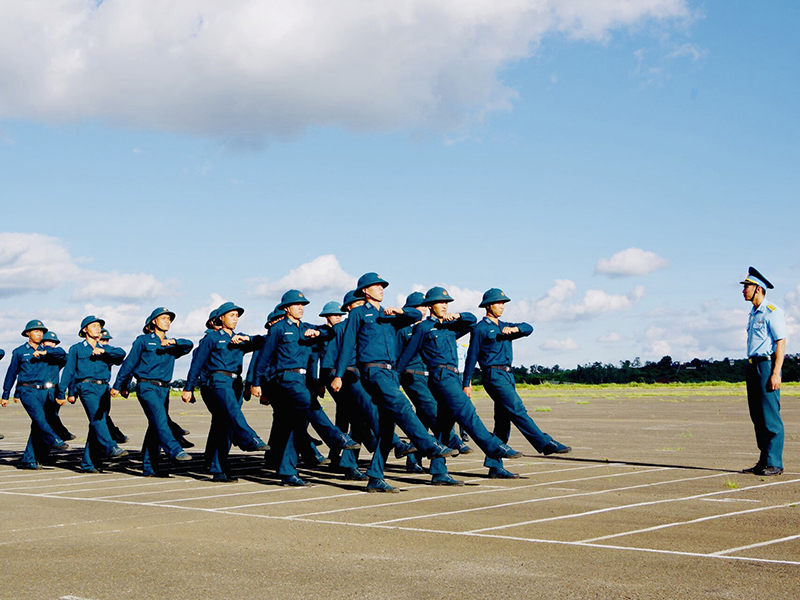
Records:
x=505, y=368
x=301, y=371
x=228, y=374
x=448, y=367
x=414, y=372
x=754, y=360
x=156, y=382
x=386, y=366
x=90, y=380
x=353, y=370
x=37, y=386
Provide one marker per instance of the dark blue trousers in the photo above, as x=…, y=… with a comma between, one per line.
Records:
x=42, y=436
x=51, y=410
x=394, y=407
x=508, y=409
x=418, y=391
x=96, y=401
x=154, y=401
x=456, y=407
x=291, y=405
x=765, y=412
x=329, y=433
x=223, y=398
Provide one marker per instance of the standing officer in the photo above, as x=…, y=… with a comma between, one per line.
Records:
x=219, y=357
x=152, y=361
x=285, y=359
x=86, y=376
x=116, y=432
x=490, y=346
x=766, y=347
x=370, y=337
x=29, y=368
x=414, y=379
x=435, y=340
x=56, y=362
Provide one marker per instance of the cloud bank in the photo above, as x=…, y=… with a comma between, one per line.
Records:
x=251, y=69
x=630, y=262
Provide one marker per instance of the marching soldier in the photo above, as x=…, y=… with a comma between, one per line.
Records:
x=219, y=358
x=56, y=362
x=435, y=340
x=29, y=368
x=152, y=361
x=86, y=376
x=370, y=337
x=766, y=347
x=116, y=432
x=490, y=346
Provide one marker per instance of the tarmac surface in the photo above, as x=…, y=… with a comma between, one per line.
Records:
x=650, y=504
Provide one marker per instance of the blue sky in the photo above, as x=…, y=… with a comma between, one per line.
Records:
x=614, y=169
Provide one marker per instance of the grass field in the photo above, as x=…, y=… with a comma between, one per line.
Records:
x=650, y=504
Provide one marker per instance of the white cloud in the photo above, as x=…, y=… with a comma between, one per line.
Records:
x=630, y=262
x=464, y=299
x=116, y=286
x=323, y=276
x=553, y=306
x=33, y=262
x=610, y=338
x=559, y=346
x=193, y=324
x=251, y=69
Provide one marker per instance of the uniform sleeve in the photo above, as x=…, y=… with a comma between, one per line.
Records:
x=56, y=356
x=68, y=374
x=126, y=370
x=182, y=347
x=524, y=331
x=198, y=361
x=347, y=348
x=256, y=342
x=412, y=348
x=777, y=325
x=472, y=356
x=461, y=326
x=265, y=357
x=11, y=375
x=409, y=316
x=251, y=368
x=113, y=355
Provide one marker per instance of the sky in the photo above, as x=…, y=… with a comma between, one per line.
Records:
x=613, y=166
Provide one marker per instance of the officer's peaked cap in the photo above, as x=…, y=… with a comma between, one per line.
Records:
x=753, y=276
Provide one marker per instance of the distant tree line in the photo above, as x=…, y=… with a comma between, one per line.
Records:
x=664, y=371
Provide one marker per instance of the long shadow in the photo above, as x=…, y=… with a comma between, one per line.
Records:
x=633, y=463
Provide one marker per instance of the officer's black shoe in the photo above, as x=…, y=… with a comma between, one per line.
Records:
x=380, y=486
x=295, y=481
x=62, y=446
x=769, y=471
x=555, y=447
x=29, y=466
x=223, y=478
x=442, y=452
x=445, y=479
x=69, y=437
x=117, y=452
x=185, y=443
x=315, y=441
x=90, y=470
x=185, y=432
x=123, y=439
x=754, y=469
x=501, y=473
x=403, y=449
x=354, y=474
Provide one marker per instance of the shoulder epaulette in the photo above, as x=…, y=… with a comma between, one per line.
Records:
x=771, y=307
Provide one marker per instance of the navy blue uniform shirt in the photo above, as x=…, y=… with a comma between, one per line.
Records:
x=370, y=336
x=216, y=352
x=82, y=364
x=435, y=341
x=288, y=348
x=148, y=359
x=403, y=337
x=490, y=347
x=27, y=368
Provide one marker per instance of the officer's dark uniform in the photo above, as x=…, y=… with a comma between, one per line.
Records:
x=114, y=431
x=766, y=326
x=31, y=373
x=51, y=407
x=435, y=341
x=86, y=376
x=491, y=348
x=370, y=337
x=221, y=361
x=153, y=365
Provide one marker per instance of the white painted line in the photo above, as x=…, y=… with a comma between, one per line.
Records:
x=448, y=496
x=679, y=523
x=269, y=491
x=758, y=545
x=153, y=492
x=293, y=501
x=532, y=500
x=58, y=485
x=729, y=500
x=638, y=504
x=82, y=475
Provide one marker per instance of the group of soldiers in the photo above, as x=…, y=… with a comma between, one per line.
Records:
x=384, y=367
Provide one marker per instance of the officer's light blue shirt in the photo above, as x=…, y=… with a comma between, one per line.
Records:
x=216, y=352
x=82, y=364
x=148, y=359
x=490, y=347
x=765, y=326
x=435, y=341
